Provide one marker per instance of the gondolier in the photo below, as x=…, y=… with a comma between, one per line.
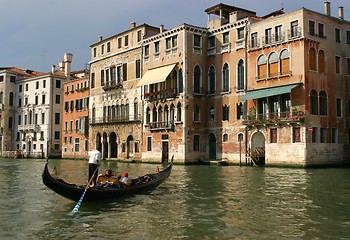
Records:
x=94, y=162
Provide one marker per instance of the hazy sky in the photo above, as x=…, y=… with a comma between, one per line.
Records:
x=34, y=34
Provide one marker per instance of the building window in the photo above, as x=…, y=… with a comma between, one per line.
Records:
x=196, y=113
x=254, y=41
x=42, y=118
x=334, y=135
x=125, y=71
x=43, y=97
x=102, y=49
x=20, y=88
x=76, y=145
x=149, y=143
x=11, y=99
x=225, y=137
x=323, y=103
x=108, y=47
x=196, y=143
x=314, y=135
x=197, y=80
x=240, y=111
x=337, y=35
x=225, y=78
x=212, y=42
x=197, y=43
x=212, y=114
x=348, y=66
x=138, y=68
x=57, y=134
x=44, y=83
x=95, y=52
x=339, y=108
x=58, y=99
x=273, y=135
x=312, y=28
x=323, y=135
x=225, y=38
x=294, y=29
x=10, y=122
x=225, y=113
x=296, y=134
x=285, y=62
x=57, y=118
x=36, y=101
x=240, y=75
x=119, y=42
x=212, y=81
x=262, y=67
x=27, y=86
x=126, y=41
x=321, y=30
x=312, y=59
x=37, y=85
x=278, y=33
x=58, y=83
x=268, y=36
x=314, y=102
x=337, y=65
x=92, y=81
x=139, y=35
x=273, y=64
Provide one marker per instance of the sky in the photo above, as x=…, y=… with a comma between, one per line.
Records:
x=35, y=34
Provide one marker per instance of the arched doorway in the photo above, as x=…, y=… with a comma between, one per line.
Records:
x=113, y=145
x=104, y=145
x=212, y=147
x=258, y=148
x=129, y=146
x=98, y=143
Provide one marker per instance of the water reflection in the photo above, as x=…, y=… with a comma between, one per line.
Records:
x=196, y=202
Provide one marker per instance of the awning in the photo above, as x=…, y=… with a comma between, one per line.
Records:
x=261, y=93
x=156, y=75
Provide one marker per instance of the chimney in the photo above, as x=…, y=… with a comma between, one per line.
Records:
x=100, y=38
x=327, y=8
x=341, y=13
x=133, y=25
x=61, y=65
x=67, y=63
x=53, y=68
x=161, y=28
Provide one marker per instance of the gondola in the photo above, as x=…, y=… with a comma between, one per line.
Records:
x=141, y=184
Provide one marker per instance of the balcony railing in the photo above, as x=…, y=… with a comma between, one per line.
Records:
x=116, y=119
x=110, y=85
x=166, y=125
x=161, y=94
x=276, y=118
x=28, y=128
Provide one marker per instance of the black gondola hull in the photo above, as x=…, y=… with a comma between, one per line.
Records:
x=74, y=192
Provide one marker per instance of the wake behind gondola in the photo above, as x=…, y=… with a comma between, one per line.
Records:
x=74, y=192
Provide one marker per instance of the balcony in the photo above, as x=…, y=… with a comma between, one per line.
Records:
x=116, y=119
x=161, y=94
x=29, y=128
x=274, y=118
x=158, y=126
x=111, y=85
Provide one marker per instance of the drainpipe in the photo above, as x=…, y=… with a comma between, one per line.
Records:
x=245, y=85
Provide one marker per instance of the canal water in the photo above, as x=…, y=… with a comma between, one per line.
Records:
x=196, y=202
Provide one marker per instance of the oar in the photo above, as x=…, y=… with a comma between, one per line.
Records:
x=77, y=206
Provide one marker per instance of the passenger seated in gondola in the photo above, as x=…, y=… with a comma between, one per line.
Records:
x=108, y=173
x=126, y=180
x=107, y=179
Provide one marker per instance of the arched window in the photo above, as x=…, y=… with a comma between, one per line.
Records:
x=197, y=80
x=312, y=59
x=313, y=102
x=225, y=78
x=181, y=84
x=196, y=113
x=11, y=99
x=160, y=114
x=273, y=64
x=1, y=97
x=211, y=113
x=285, y=62
x=178, y=112
x=154, y=111
x=262, y=67
x=172, y=114
x=321, y=62
x=323, y=103
x=240, y=75
x=212, y=80
x=136, y=109
x=148, y=115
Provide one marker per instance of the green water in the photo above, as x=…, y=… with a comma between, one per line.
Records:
x=196, y=202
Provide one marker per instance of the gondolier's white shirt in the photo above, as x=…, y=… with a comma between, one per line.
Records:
x=95, y=156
